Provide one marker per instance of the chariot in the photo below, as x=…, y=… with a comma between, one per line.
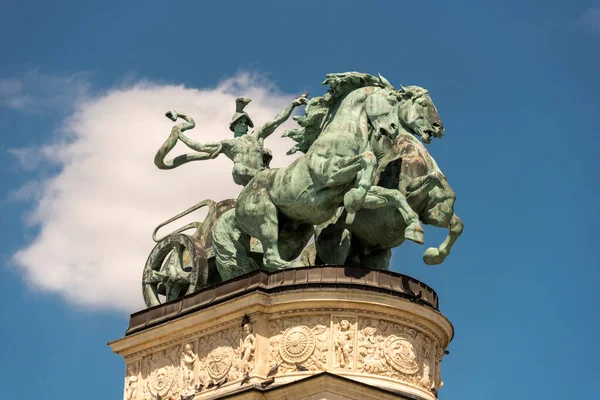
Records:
x=183, y=262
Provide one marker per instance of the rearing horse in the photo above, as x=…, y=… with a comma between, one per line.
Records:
x=280, y=206
x=404, y=164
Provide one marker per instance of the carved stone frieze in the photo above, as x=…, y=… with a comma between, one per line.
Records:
x=355, y=344
x=160, y=372
x=396, y=351
x=392, y=350
x=299, y=341
x=179, y=370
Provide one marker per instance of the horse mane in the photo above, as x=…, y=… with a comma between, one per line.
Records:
x=414, y=92
x=311, y=124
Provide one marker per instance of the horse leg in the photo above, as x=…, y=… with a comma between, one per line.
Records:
x=257, y=216
x=269, y=237
x=259, y=219
x=432, y=195
x=435, y=256
x=231, y=247
x=337, y=172
x=379, y=197
x=355, y=197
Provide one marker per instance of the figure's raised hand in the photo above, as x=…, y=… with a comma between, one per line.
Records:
x=172, y=115
x=298, y=101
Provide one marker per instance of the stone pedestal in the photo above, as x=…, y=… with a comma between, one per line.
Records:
x=304, y=333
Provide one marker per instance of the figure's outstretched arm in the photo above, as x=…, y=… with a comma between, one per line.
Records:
x=268, y=128
x=205, y=151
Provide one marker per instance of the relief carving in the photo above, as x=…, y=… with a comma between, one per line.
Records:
x=344, y=335
x=365, y=345
x=248, y=347
x=395, y=351
x=426, y=350
x=131, y=381
x=400, y=353
x=219, y=360
x=227, y=355
x=161, y=373
x=370, y=352
x=188, y=363
x=299, y=343
x=439, y=354
x=426, y=377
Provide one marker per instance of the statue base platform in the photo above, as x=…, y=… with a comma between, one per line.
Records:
x=305, y=333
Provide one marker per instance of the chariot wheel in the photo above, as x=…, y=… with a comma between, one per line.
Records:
x=172, y=270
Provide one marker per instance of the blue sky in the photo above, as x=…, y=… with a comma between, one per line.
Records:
x=515, y=82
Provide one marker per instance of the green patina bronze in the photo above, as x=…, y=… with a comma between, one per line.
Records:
x=404, y=164
x=246, y=150
x=363, y=185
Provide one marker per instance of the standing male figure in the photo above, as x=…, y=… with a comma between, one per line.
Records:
x=246, y=150
x=249, y=157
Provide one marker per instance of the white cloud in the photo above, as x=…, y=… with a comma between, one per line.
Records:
x=591, y=19
x=95, y=217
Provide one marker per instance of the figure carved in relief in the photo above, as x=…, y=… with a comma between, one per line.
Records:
x=188, y=361
x=344, y=344
x=425, y=377
x=370, y=350
x=426, y=360
x=248, y=346
x=438, y=359
x=131, y=383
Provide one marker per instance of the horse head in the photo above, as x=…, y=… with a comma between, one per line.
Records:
x=381, y=108
x=418, y=114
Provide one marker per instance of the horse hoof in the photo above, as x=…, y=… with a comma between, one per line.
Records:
x=415, y=234
x=432, y=256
